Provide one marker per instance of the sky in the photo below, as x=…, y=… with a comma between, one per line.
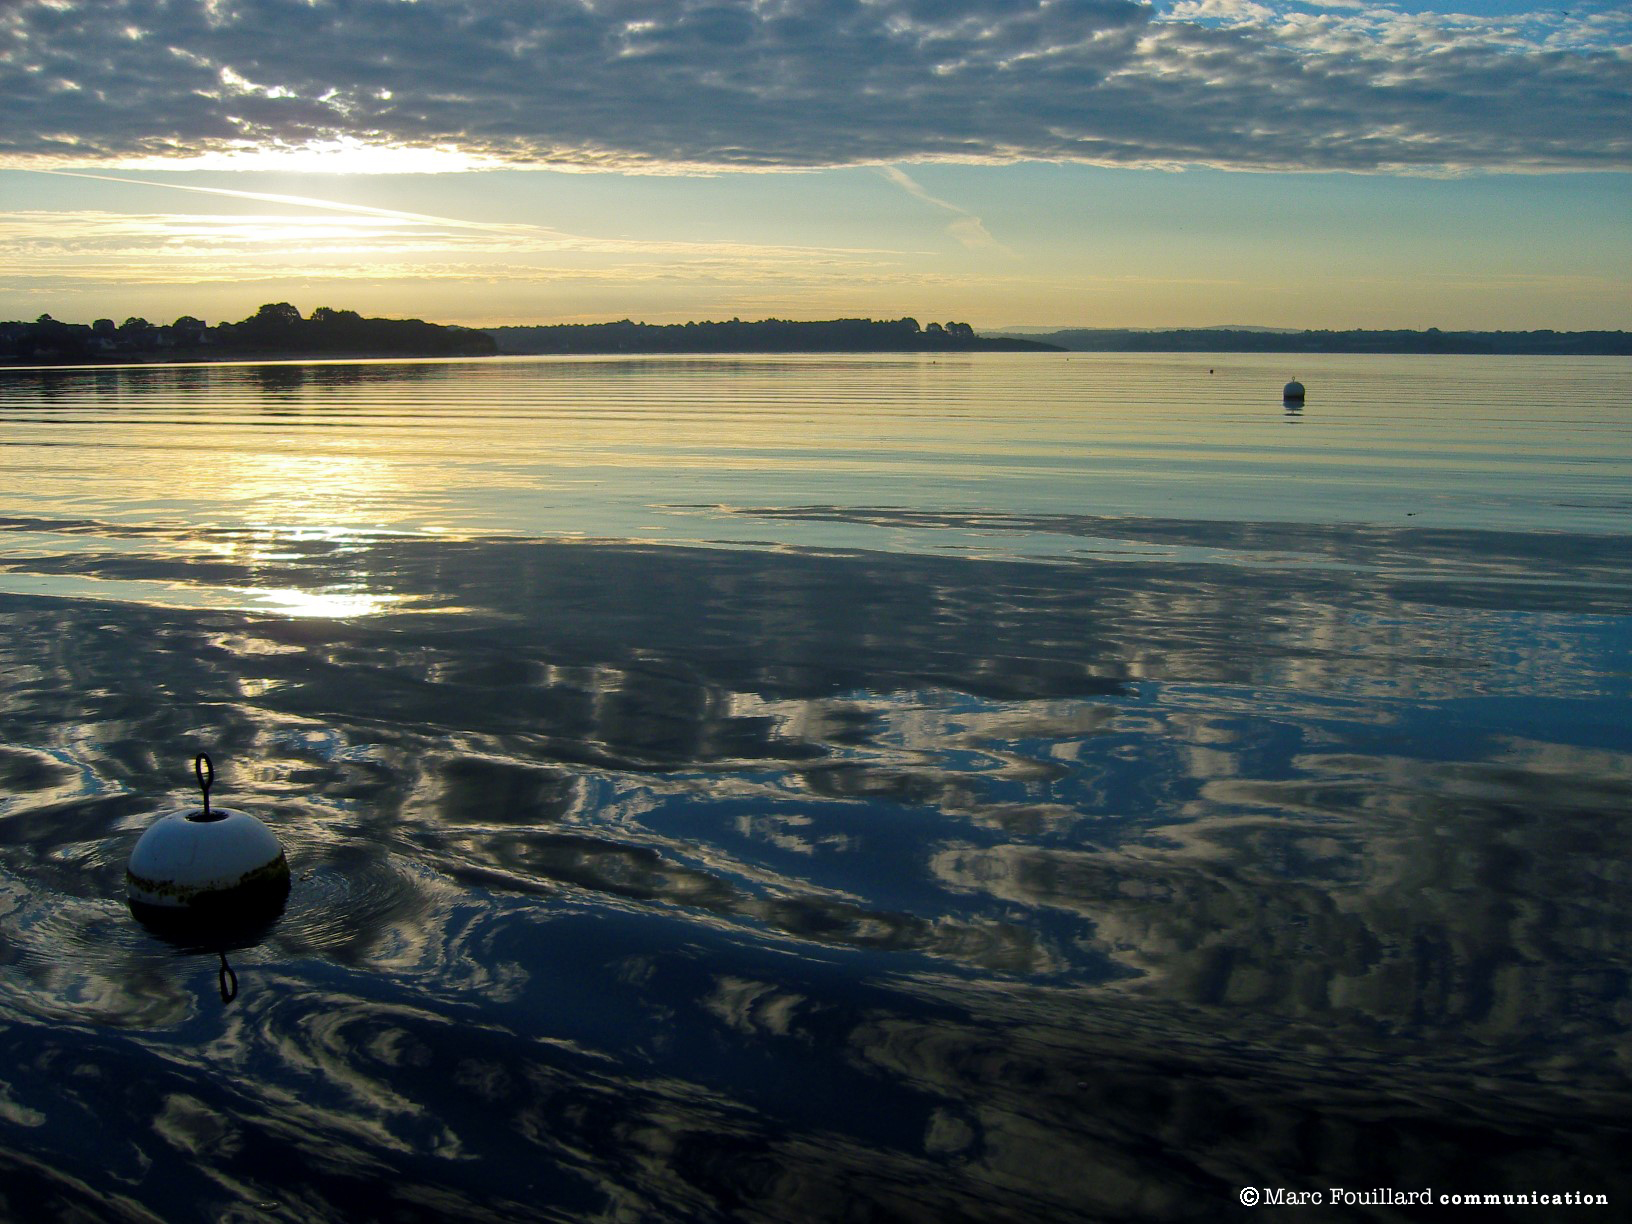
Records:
x=1287, y=163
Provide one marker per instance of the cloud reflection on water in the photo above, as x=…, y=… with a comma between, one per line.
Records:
x=1106, y=885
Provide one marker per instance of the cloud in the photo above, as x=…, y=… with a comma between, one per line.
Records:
x=693, y=84
x=361, y=221
x=325, y=239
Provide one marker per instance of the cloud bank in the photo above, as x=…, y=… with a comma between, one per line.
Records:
x=759, y=84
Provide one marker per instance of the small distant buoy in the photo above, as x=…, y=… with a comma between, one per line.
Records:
x=210, y=861
x=1293, y=390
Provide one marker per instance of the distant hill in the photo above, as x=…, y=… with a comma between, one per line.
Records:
x=764, y=336
x=1033, y=330
x=1260, y=340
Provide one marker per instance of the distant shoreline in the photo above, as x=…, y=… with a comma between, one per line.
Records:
x=764, y=336
x=1394, y=342
x=266, y=357
x=277, y=332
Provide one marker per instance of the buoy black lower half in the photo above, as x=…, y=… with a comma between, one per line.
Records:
x=206, y=927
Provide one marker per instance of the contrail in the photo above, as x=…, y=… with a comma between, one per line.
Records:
x=559, y=237
x=967, y=229
x=268, y=197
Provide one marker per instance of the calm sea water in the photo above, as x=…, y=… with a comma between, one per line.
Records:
x=996, y=788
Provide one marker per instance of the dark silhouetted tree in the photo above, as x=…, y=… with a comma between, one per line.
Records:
x=275, y=314
x=136, y=333
x=327, y=314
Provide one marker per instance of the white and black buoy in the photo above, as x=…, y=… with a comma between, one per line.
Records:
x=213, y=863
x=1293, y=391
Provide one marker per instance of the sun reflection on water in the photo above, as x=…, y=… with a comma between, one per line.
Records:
x=337, y=605
x=327, y=493
x=317, y=517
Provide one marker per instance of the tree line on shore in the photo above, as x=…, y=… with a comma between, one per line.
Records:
x=275, y=329
x=278, y=329
x=764, y=336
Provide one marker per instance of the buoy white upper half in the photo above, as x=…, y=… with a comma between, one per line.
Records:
x=178, y=861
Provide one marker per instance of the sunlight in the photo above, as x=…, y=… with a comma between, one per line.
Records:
x=311, y=511
x=283, y=233
x=343, y=155
x=332, y=494
x=334, y=605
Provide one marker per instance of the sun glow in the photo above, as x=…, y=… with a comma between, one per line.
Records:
x=342, y=155
x=331, y=495
x=339, y=604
